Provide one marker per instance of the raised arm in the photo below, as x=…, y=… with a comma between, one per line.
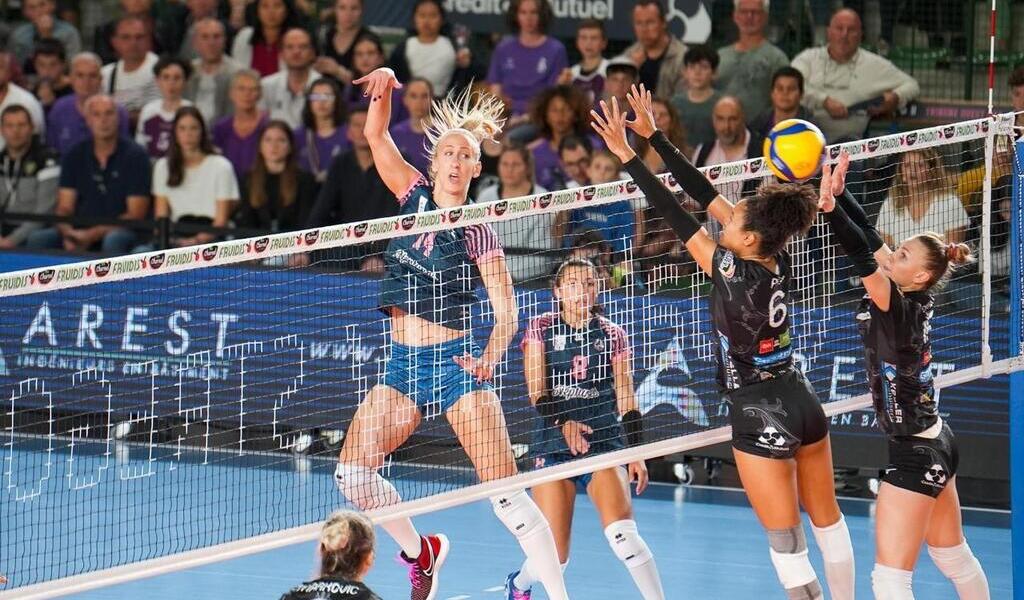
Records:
x=613, y=131
x=851, y=236
x=686, y=174
x=397, y=174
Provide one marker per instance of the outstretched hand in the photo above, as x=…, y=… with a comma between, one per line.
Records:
x=378, y=83
x=833, y=182
x=611, y=126
x=643, y=107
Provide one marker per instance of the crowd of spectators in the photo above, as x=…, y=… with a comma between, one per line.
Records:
x=159, y=121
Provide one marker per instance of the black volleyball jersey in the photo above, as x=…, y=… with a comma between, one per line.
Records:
x=898, y=354
x=750, y=314
x=331, y=588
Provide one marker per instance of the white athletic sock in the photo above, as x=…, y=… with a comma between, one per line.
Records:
x=626, y=543
x=522, y=517
x=960, y=565
x=366, y=489
x=525, y=579
x=837, y=551
x=889, y=583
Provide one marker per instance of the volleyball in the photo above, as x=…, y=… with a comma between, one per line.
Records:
x=794, y=150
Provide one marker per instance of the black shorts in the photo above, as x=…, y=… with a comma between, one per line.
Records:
x=775, y=417
x=922, y=465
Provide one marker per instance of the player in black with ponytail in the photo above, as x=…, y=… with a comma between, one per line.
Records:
x=780, y=433
x=917, y=501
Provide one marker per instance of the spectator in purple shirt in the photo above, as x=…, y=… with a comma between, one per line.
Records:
x=237, y=135
x=409, y=135
x=525, y=64
x=368, y=56
x=558, y=112
x=66, y=125
x=156, y=119
x=324, y=131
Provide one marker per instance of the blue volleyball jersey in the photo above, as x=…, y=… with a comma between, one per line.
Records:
x=578, y=368
x=431, y=275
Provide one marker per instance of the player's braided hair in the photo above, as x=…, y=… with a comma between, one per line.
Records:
x=345, y=542
x=778, y=211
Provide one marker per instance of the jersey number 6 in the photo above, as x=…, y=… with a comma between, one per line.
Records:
x=776, y=309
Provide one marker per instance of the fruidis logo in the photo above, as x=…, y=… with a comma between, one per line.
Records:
x=209, y=253
x=46, y=276
x=156, y=261
x=454, y=215
x=544, y=201
x=873, y=145
x=408, y=221
x=714, y=173
x=949, y=132
x=102, y=269
x=261, y=244
x=589, y=193
x=500, y=208
x=359, y=230
x=834, y=151
x=311, y=237
x=910, y=139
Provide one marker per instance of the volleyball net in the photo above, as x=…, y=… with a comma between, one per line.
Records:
x=167, y=409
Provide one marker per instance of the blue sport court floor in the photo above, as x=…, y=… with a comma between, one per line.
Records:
x=706, y=540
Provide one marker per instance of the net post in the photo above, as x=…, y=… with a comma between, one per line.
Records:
x=1016, y=349
x=986, y=250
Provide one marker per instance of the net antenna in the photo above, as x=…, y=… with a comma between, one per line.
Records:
x=190, y=373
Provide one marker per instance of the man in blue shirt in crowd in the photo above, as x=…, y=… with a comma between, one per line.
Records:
x=105, y=176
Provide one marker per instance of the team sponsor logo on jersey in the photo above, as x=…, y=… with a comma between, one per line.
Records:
x=209, y=253
x=310, y=237
x=889, y=379
x=102, y=269
x=261, y=244
x=727, y=266
x=770, y=345
x=545, y=200
x=157, y=260
x=558, y=341
x=454, y=215
x=46, y=276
